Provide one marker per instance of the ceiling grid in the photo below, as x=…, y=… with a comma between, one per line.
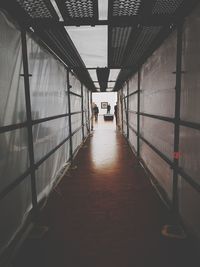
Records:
x=134, y=29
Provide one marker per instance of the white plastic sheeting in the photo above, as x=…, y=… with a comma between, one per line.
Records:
x=158, y=80
x=49, y=97
x=133, y=118
x=133, y=83
x=48, y=171
x=133, y=106
x=76, y=140
x=133, y=139
x=12, y=107
x=48, y=82
x=159, y=133
x=86, y=111
x=158, y=83
x=124, y=108
x=14, y=210
x=14, y=159
x=190, y=152
x=190, y=93
x=48, y=86
x=14, y=152
x=76, y=119
x=158, y=167
x=189, y=198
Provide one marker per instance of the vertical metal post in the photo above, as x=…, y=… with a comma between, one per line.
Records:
x=70, y=120
x=138, y=114
x=29, y=123
x=89, y=123
x=82, y=113
x=92, y=126
x=122, y=109
x=177, y=117
x=127, y=110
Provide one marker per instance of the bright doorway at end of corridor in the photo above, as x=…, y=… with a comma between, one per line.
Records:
x=102, y=99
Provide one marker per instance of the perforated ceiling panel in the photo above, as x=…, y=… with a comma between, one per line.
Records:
x=78, y=10
x=167, y=7
x=37, y=9
x=126, y=7
x=119, y=40
x=142, y=44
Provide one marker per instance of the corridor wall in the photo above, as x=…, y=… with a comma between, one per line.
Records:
x=161, y=109
x=39, y=98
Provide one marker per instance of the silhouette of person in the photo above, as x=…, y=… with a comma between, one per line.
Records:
x=108, y=109
x=96, y=112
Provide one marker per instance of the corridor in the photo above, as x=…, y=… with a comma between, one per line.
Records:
x=105, y=213
x=99, y=196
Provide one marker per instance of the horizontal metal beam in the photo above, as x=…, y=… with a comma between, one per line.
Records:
x=14, y=184
x=189, y=179
x=133, y=111
x=72, y=93
x=109, y=67
x=49, y=118
x=133, y=130
x=12, y=127
x=152, y=20
x=192, y=125
x=8, y=128
x=162, y=118
x=56, y=148
x=188, y=124
x=180, y=171
x=166, y=159
x=133, y=93
x=37, y=164
x=108, y=81
x=17, y=181
x=77, y=112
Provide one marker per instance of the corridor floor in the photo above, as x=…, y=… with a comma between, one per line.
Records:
x=105, y=213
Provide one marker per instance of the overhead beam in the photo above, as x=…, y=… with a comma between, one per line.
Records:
x=153, y=20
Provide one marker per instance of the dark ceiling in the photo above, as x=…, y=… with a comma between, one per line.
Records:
x=135, y=29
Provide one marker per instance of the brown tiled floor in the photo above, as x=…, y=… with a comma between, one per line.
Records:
x=105, y=213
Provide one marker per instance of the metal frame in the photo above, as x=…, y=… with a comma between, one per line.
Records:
x=176, y=121
x=127, y=110
x=28, y=124
x=177, y=116
x=70, y=121
x=138, y=114
x=82, y=117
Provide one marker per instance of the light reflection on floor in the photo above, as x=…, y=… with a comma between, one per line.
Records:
x=104, y=144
